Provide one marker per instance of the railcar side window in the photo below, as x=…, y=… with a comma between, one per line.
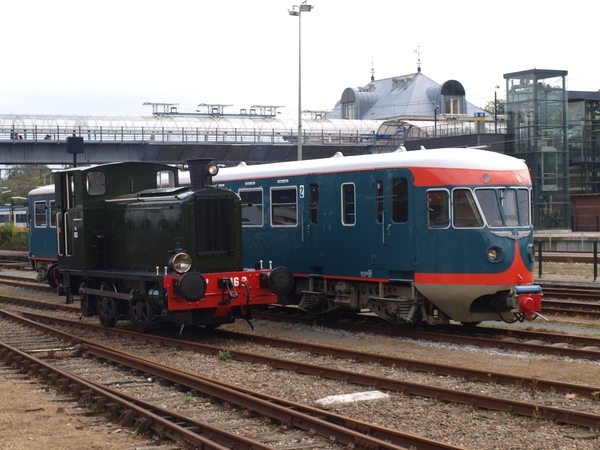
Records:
x=252, y=207
x=348, y=204
x=379, y=195
x=491, y=208
x=314, y=202
x=284, y=207
x=53, y=211
x=399, y=200
x=41, y=212
x=464, y=209
x=95, y=183
x=437, y=209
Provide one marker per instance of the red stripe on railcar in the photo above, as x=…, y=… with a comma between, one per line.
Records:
x=517, y=274
x=434, y=176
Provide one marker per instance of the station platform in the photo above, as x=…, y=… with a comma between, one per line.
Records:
x=566, y=240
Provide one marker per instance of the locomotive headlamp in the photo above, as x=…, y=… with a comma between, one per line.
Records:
x=212, y=169
x=181, y=262
x=495, y=254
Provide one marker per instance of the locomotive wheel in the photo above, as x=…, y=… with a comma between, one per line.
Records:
x=108, y=307
x=142, y=313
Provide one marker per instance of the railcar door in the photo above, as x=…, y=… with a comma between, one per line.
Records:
x=312, y=223
x=393, y=243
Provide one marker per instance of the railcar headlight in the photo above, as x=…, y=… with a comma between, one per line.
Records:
x=181, y=262
x=212, y=169
x=495, y=254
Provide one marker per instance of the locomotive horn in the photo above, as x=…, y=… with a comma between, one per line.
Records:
x=201, y=171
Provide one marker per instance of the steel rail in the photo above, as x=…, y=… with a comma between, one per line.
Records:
x=538, y=384
x=342, y=430
x=138, y=414
x=570, y=417
x=445, y=338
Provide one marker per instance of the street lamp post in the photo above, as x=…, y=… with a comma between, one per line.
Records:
x=496, y=109
x=435, y=108
x=297, y=10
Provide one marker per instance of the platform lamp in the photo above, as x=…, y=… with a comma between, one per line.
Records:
x=297, y=10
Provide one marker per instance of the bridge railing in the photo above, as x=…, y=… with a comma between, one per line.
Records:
x=164, y=135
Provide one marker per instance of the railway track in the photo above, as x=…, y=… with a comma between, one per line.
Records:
x=313, y=421
x=485, y=377
x=407, y=388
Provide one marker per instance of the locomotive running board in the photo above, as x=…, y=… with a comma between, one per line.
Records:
x=102, y=293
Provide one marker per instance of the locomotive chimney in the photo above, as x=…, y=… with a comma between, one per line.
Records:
x=201, y=172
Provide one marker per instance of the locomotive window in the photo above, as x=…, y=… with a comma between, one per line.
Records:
x=53, y=212
x=252, y=207
x=165, y=179
x=284, y=207
x=348, y=204
x=95, y=183
x=314, y=202
x=491, y=209
x=399, y=200
x=379, y=195
x=437, y=209
x=464, y=209
x=40, y=214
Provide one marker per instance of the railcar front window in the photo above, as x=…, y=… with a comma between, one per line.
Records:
x=509, y=206
x=524, y=206
x=437, y=209
x=252, y=207
x=491, y=208
x=284, y=207
x=465, y=212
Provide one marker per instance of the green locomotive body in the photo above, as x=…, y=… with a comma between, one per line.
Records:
x=133, y=243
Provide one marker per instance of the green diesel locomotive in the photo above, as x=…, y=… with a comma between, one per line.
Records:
x=134, y=244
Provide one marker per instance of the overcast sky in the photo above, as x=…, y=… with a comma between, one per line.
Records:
x=109, y=57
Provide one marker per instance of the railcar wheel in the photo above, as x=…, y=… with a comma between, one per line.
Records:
x=108, y=307
x=52, y=277
x=142, y=313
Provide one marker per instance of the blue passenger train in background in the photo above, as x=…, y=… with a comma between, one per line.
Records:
x=421, y=236
x=15, y=214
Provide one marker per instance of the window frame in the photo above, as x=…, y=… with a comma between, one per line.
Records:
x=272, y=206
x=36, y=223
x=262, y=206
x=344, y=205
